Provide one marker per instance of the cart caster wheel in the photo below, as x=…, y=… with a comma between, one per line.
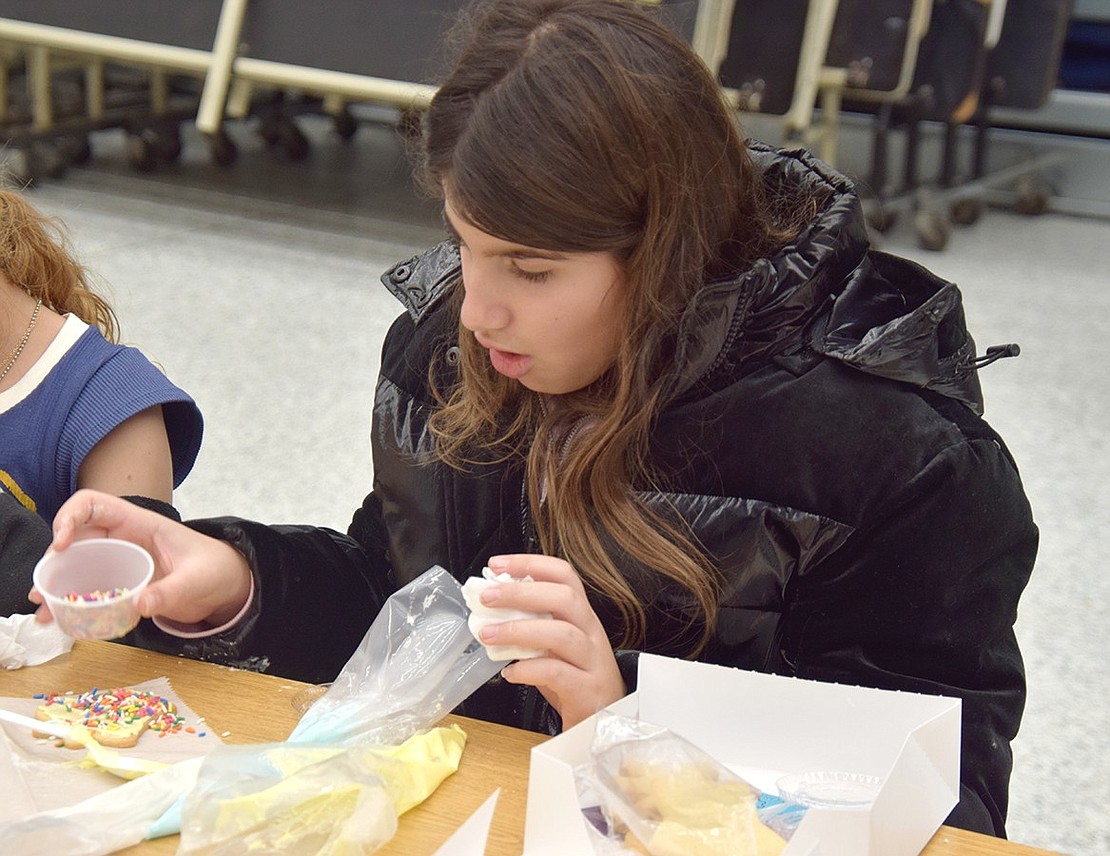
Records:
x=345, y=124
x=141, y=152
x=222, y=149
x=932, y=230
x=79, y=150
x=292, y=141
x=41, y=159
x=966, y=211
x=152, y=146
x=1031, y=204
x=49, y=159
x=167, y=143
x=269, y=129
x=1032, y=196
x=882, y=221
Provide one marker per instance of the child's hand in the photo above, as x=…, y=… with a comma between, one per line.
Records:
x=579, y=675
x=196, y=578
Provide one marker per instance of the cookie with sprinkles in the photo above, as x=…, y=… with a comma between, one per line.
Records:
x=114, y=717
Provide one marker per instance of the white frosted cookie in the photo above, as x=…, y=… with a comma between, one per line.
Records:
x=481, y=615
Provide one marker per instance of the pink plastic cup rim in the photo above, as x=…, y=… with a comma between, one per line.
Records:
x=129, y=567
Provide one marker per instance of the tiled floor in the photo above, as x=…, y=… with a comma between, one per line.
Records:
x=256, y=288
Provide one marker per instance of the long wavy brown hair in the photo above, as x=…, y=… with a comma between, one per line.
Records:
x=36, y=255
x=585, y=126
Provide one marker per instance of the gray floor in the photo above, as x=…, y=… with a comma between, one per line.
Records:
x=256, y=288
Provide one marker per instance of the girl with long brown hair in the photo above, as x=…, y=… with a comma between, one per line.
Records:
x=660, y=371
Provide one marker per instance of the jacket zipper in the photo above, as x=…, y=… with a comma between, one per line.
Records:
x=738, y=319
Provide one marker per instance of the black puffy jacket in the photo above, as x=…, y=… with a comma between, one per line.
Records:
x=824, y=443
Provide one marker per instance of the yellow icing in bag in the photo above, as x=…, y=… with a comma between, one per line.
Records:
x=314, y=799
x=427, y=759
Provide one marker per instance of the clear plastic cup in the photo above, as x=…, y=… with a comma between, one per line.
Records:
x=830, y=789
x=93, y=586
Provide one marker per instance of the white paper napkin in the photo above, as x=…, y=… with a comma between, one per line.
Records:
x=47, y=777
x=25, y=642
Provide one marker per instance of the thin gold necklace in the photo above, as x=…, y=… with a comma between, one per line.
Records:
x=22, y=342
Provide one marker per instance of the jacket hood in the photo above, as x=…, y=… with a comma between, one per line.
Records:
x=827, y=290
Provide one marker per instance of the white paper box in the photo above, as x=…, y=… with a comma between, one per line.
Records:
x=763, y=726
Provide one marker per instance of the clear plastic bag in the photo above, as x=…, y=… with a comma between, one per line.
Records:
x=303, y=799
x=365, y=753
x=660, y=795
x=287, y=800
x=416, y=663
x=104, y=823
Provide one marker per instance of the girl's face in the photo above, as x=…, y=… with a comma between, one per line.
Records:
x=548, y=320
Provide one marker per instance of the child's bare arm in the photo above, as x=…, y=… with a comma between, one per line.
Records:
x=132, y=460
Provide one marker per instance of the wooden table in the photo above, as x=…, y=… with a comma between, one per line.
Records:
x=255, y=708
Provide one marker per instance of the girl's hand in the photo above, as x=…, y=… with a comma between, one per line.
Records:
x=196, y=578
x=579, y=675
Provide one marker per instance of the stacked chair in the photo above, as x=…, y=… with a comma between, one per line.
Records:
x=68, y=69
x=976, y=55
x=1022, y=71
x=906, y=64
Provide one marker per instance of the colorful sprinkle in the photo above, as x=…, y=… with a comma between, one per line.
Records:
x=97, y=596
x=117, y=706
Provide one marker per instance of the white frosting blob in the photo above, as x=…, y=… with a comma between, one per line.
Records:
x=481, y=616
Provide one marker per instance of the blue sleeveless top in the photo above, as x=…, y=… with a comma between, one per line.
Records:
x=94, y=387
